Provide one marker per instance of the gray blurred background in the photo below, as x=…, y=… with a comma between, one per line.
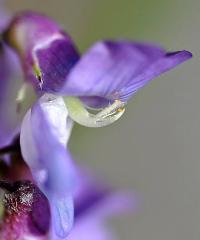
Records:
x=154, y=149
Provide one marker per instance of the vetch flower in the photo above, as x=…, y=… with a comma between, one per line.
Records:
x=67, y=86
x=44, y=134
x=27, y=212
x=108, y=74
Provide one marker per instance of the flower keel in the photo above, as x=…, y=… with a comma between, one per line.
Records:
x=105, y=117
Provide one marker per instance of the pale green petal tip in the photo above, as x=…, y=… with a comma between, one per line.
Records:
x=80, y=114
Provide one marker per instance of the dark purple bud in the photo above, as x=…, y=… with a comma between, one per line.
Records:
x=47, y=53
x=26, y=211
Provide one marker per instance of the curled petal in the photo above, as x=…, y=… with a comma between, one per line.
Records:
x=45, y=131
x=81, y=115
x=116, y=70
x=47, y=53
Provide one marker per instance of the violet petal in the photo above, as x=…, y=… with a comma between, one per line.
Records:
x=47, y=53
x=117, y=69
x=44, y=135
x=95, y=203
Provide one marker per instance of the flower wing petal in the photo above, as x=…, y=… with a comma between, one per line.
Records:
x=168, y=61
x=44, y=135
x=117, y=69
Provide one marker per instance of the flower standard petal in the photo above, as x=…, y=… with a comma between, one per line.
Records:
x=44, y=135
x=113, y=70
x=46, y=52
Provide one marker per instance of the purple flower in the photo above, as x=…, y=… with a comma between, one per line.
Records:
x=44, y=134
x=27, y=210
x=47, y=157
x=104, y=78
x=109, y=73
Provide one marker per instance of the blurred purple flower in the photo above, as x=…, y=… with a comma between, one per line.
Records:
x=94, y=203
x=27, y=211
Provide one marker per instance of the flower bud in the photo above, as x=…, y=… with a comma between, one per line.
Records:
x=26, y=211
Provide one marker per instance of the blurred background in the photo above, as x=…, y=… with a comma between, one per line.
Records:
x=154, y=148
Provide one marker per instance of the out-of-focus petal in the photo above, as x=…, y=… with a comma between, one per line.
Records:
x=93, y=195
x=89, y=190
x=46, y=52
x=116, y=70
x=95, y=202
x=44, y=135
x=91, y=230
x=11, y=78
